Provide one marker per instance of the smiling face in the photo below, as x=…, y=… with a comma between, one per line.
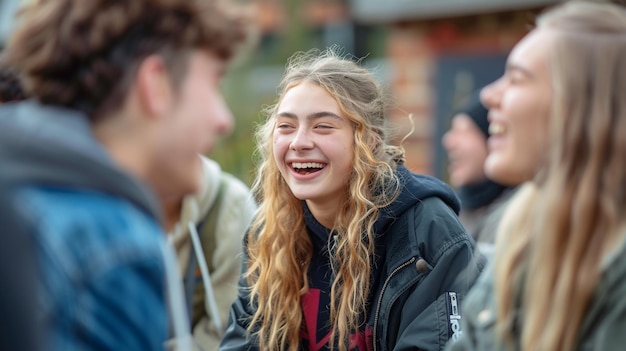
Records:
x=313, y=146
x=467, y=150
x=519, y=107
x=195, y=118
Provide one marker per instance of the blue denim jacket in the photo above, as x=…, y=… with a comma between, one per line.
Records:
x=102, y=271
x=102, y=257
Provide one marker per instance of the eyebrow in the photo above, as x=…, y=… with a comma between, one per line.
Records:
x=514, y=67
x=312, y=116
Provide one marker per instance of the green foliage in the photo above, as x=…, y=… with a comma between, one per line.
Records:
x=234, y=152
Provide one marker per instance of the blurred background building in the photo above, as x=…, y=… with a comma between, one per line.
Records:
x=430, y=54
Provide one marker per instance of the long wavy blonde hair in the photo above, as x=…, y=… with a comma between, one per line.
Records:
x=279, y=248
x=559, y=228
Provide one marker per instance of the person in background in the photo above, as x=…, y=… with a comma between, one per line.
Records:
x=125, y=95
x=558, y=122
x=207, y=230
x=482, y=200
x=349, y=250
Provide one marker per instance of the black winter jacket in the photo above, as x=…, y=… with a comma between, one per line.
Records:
x=429, y=266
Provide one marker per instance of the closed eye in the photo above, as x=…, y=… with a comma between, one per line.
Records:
x=513, y=79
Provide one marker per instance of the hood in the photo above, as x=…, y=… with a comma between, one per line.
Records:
x=416, y=187
x=54, y=146
x=474, y=196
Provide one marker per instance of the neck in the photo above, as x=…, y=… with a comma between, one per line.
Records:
x=480, y=194
x=172, y=211
x=324, y=214
x=125, y=146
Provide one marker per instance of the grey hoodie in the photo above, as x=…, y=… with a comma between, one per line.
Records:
x=55, y=146
x=43, y=147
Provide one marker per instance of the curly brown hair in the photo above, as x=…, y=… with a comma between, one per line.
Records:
x=84, y=54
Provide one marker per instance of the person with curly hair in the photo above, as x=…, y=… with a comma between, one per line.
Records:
x=349, y=249
x=125, y=96
x=558, y=123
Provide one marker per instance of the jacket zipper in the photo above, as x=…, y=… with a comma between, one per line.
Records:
x=382, y=292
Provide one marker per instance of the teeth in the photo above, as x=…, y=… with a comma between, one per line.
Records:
x=496, y=129
x=307, y=165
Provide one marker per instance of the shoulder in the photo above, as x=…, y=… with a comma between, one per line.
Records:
x=611, y=280
x=232, y=189
x=434, y=214
x=236, y=197
x=236, y=208
x=234, y=186
x=87, y=207
x=436, y=229
x=605, y=320
x=83, y=230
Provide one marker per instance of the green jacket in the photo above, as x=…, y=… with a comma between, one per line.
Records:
x=602, y=329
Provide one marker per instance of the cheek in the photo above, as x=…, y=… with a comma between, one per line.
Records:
x=279, y=148
x=277, y=141
x=347, y=153
x=536, y=126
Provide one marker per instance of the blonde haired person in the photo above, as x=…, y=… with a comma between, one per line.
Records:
x=350, y=250
x=558, y=120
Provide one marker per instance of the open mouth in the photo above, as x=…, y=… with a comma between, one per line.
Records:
x=307, y=167
x=496, y=129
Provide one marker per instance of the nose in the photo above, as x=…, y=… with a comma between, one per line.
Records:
x=301, y=140
x=447, y=139
x=490, y=95
x=223, y=117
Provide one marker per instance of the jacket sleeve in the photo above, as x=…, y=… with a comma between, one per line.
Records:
x=479, y=317
x=234, y=218
x=431, y=313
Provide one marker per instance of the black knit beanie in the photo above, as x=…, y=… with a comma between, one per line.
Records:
x=477, y=112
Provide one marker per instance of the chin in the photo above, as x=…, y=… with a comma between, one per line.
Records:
x=497, y=173
x=457, y=181
x=504, y=176
x=188, y=186
x=301, y=197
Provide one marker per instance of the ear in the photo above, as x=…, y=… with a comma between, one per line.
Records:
x=153, y=87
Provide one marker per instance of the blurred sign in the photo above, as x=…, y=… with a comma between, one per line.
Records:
x=458, y=77
x=398, y=10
